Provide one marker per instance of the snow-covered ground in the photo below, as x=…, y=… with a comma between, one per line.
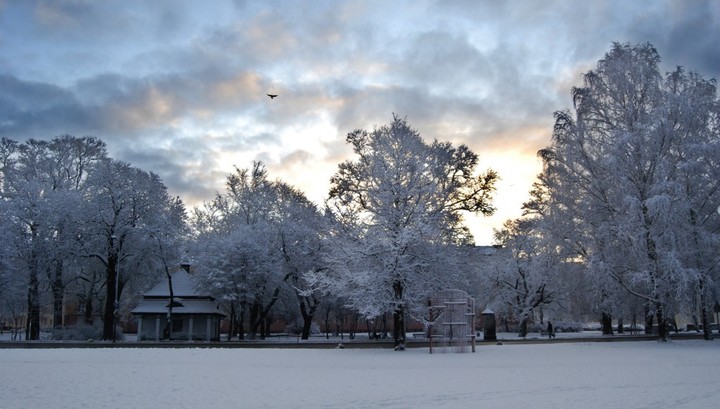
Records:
x=648, y=374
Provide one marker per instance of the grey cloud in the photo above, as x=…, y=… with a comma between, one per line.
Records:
x=447, y=80
x=685, y=33
x=140, y=103
x=188, y=166
x=173, y=76
x=28, y=94
x=101, y=22
x=296, y=157
x=443, y=59
x=181, y=174
x=289, y=34
x=38, y=110
x=504, y=78
x=122, y=112
x=111, y=103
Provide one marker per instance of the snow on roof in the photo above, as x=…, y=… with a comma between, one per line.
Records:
x=187, y=299
x=182, y=306
x=183, y=286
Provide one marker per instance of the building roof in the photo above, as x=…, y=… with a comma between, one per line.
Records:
x=183, y=286
x=181, y=306
x=187, y=299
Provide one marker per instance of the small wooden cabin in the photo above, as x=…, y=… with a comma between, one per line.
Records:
x=195, y=316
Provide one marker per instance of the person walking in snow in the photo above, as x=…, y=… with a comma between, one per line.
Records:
x=550, y=330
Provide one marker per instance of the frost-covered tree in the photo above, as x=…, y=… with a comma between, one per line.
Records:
x=529, y=279
x=693, y=117
x=129, y=214
x=398, y=220
x=13, y=282
x=632, y=173
x=255, y=241
x=300, y=227
x=163, y=243
x=72, y=160
x=69, y=210
x=42, y=184
x=239, y=269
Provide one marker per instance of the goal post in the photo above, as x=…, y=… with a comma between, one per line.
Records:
x=452, y=321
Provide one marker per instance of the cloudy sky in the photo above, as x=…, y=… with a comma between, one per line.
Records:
x=178, y=87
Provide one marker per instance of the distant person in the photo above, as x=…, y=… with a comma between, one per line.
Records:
x=550, y=330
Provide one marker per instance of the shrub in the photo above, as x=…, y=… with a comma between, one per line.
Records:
x=296, y=326
x=82, y=333
x=568, y=327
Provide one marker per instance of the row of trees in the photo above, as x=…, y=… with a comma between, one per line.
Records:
x=626, y=208
x=254, y=241
x=388, y=237
x=622, y=217
x=77, y=221
x=71, y=219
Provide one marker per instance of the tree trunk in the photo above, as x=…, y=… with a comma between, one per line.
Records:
x=399, y=317
x=663, y=332
x=339, y=321
x=705, y=313
x=707, y=329
x=523, y=331
x=110, y=285
x=606, y=321
x=232, y=319
x=168, y=324
x=266, y=328
x=354, y=325
x=327, y=322
x=385, y=327
x=649, y=319
x=241, y=322
x=307, y=316
x=399, y=328
x=58, y=291
x=32, y=329
x=88, y=316
x=254, y=320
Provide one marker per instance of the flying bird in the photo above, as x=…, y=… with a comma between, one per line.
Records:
x=272, y=95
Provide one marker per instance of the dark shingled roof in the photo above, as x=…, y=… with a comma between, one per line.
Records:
x=188, y=300
x=192, y=306
x=183, y=286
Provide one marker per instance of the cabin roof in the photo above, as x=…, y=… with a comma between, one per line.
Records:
x=183, y=286
x=186, y=298
x=181, y=306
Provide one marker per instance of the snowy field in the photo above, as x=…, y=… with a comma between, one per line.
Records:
x=648, y=374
